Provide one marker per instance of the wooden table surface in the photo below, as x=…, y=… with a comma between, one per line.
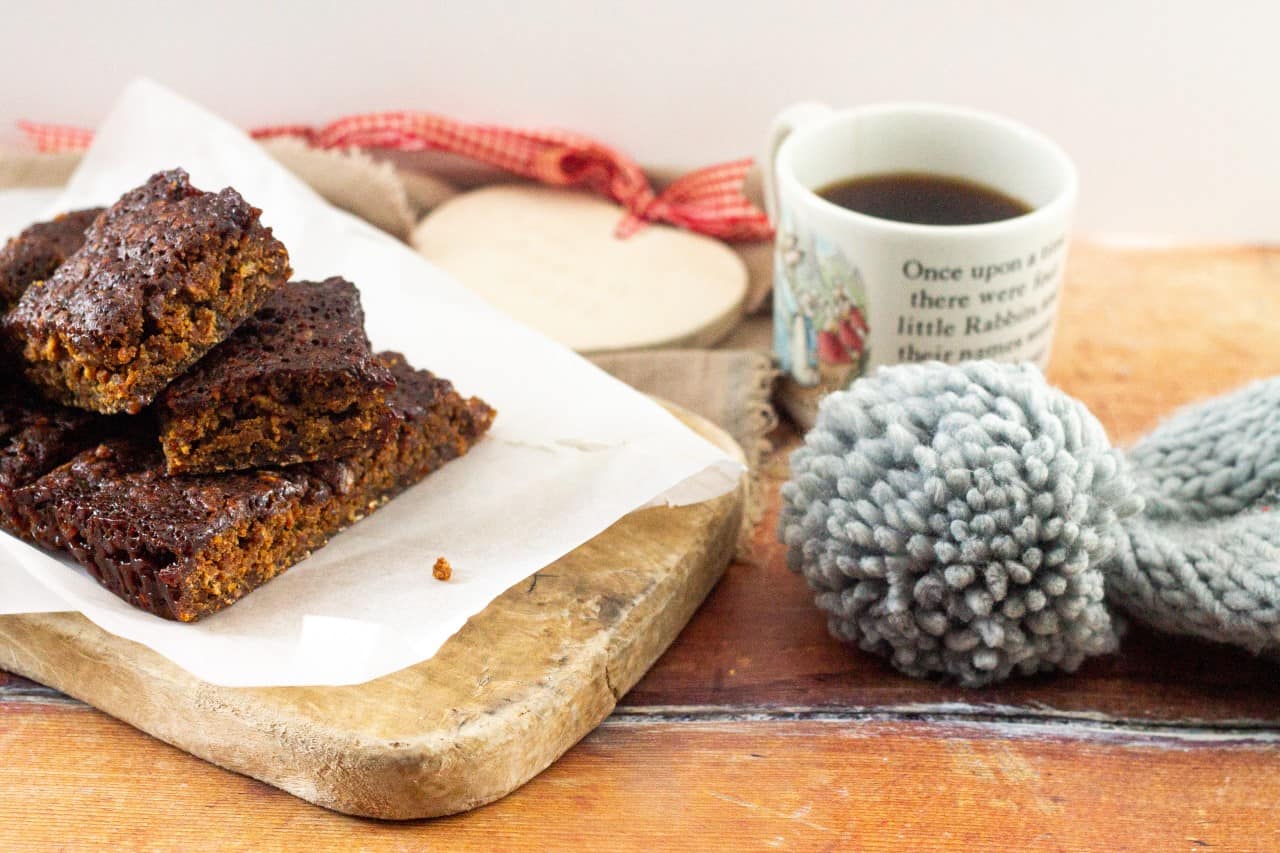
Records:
x=757, y=730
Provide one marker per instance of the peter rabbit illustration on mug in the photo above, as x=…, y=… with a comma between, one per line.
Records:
x=820, y=326
x=910, y=232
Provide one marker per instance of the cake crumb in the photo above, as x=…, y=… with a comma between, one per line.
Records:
x=442, y=571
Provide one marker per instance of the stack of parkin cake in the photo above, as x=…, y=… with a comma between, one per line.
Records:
x=183, y=419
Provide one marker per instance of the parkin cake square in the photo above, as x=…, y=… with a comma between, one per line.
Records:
x=35, y=437
x=296, y=383
x=183, y=547
x=37, y=252
x=164, y=275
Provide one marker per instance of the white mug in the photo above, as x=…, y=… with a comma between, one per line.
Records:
x=852, y=291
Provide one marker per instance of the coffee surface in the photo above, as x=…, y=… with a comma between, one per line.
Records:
x=923, y=198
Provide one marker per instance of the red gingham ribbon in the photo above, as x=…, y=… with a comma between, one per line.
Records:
x=709, y=201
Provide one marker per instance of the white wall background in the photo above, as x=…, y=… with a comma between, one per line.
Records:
x=1171, y=109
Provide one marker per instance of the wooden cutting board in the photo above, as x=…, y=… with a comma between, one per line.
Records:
x=523, y=680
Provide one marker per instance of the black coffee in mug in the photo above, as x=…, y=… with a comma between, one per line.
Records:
x=923, y=198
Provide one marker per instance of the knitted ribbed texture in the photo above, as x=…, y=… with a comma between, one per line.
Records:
x=963, y=520
x=1204, y=559
x=1213, y=459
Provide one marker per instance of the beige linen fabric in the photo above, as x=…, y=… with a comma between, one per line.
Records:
x=350, y=179
x=21, y=170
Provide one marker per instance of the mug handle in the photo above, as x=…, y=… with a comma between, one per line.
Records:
x=793, y=117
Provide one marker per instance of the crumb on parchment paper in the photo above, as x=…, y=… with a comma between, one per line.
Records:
x=442, y=571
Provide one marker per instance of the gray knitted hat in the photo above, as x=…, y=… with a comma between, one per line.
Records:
x=972, y=521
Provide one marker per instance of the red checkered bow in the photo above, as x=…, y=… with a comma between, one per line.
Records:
x=709, y=201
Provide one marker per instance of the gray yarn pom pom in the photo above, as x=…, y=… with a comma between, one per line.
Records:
x=954, y=518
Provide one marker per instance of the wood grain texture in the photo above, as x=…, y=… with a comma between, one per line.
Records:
x=1142, y=332
x=817, y=785
x=523, y=680
x=756, y=730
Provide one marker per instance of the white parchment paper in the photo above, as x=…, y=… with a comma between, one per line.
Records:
x=572, y=449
